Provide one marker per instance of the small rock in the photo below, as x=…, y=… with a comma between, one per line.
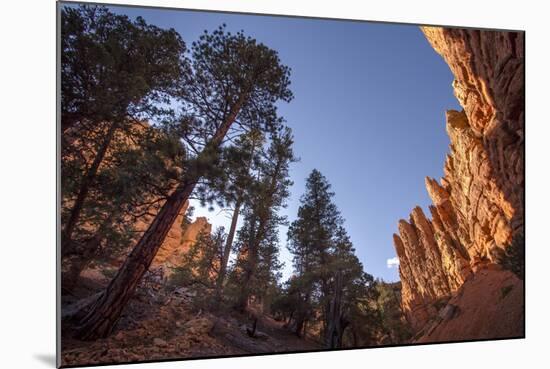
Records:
x=448, y=312
x=261, y=335
x=159, y=342
x=119, y=336
x=198, y=326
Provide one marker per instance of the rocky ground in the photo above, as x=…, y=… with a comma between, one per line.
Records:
x=161, y=323
x=489, y=305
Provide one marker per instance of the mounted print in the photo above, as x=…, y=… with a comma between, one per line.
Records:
x=242, y=184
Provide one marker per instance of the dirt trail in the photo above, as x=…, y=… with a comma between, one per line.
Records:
x=271, y=336
x=159, y=324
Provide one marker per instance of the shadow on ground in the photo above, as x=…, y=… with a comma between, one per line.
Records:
x=48, y=359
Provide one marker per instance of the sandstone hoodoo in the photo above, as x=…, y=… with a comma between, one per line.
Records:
x=179, y=240
x=477, y=210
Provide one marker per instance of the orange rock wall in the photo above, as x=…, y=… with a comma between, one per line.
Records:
x=179, y=239
x=478, y=204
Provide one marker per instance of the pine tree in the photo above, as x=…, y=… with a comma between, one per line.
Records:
x=311, y=238
x=201, y=263
x=391, y=318
x=233, y=79
x=239, y=162
x=136, y=175
x=258, y=238
x=114, y=73
x=329, y=278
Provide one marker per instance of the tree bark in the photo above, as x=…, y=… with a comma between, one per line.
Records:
x=301, y=313
x=227, y=251
x=334, y=326
x=257, y=236
x=232, y=230
x=84, y=256
x=66, y=245
x=104, y=314
x=242, y=302
x=289, y=318
x=72, y=276
x=299, y=326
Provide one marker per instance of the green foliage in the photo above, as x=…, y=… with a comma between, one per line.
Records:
x=201, y=263
x=392, y=321
x=322, y=250
x=514, y=256
x=257, y=268
x=112, y=67
x=239, y=162
x=109, y=273
x=233, y=78
x=234, y=69
x=114, y=73
x=134, y=179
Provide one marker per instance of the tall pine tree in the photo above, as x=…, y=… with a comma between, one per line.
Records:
x=114, y=73
x=234, y=186
x=233, y=86
x=329, y=280
x=258, y=238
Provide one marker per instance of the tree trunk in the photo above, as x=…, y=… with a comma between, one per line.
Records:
x=257, y=236
x=227, y=251
x=232, y=230
x=101, y=319
x=250, y=266
x=242, y=303
x=299, y=325
x=66, y=244
x=104, y=314
x=252, y=332
x=343, y=325
x=71, y=277
x=334, y=326
x=84, y=256
x=301, y=313
x=289, y=318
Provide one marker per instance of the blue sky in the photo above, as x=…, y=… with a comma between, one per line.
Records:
x=369, y=113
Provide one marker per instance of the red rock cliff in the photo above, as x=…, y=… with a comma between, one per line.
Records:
x=478, y=204
x=178, y=241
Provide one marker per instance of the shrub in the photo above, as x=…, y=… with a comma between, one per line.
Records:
x=514, y=256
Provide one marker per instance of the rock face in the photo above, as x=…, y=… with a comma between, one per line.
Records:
x=478, y=204
x=178, y=241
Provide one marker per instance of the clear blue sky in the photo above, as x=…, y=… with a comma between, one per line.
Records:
x=369, y=113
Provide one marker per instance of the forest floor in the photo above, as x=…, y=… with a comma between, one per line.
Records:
x=159, y=324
